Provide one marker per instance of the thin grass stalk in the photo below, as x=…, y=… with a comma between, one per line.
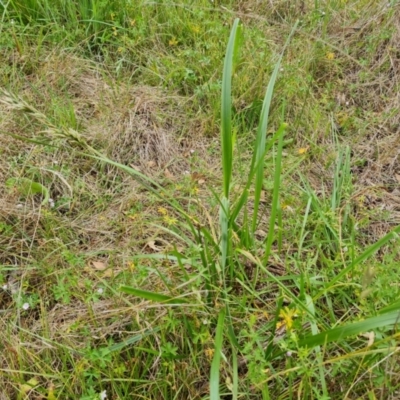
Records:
x=275, y=195
x=225, y=236
x=259, y=147
x=319, y=355
x=215, y=365
x=304, y=234
x=235, y=374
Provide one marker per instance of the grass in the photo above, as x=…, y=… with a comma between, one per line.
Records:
x=223, y=219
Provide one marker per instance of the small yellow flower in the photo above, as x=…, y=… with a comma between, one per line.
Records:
x=209, y=353
x=170, y=221
x=195, y=190
x=121, y=49
x=287, y=316
x=173, y=41
x=303, y=150
x=131, y=266
x=132, y=22
x=162, y=211
x=195, y=28
x=330, y=56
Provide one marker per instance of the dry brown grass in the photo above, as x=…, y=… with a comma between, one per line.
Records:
x=135, y=125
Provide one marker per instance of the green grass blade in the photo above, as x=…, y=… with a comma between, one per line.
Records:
x=226, y=106
x=145, y=180
x=391, y=307
x=259, y=147
x=335, y=335
x=132, y=340
x=214, y=374
x=275, y=196
x=235, y=374
x=319, y=355
x=303, y=235
x=157, y=297
x=225, y=233
x=39, y=142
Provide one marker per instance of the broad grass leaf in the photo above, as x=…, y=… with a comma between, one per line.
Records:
x=157, y=297
x=337, y=334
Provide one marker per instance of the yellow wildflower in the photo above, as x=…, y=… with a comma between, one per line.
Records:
x=303, y=150
x=330, y=56
x=173, y=41
x=162, y=211
x=209, y=353
x=287, y=316
x=195, y=28
x=170, y=221
x=131, y=266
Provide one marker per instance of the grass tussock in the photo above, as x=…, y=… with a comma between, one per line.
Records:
x=222, y=217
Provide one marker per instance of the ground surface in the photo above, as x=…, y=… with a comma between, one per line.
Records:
x=140, y=83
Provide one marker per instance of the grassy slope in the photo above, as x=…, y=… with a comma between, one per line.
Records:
x=144, y=88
